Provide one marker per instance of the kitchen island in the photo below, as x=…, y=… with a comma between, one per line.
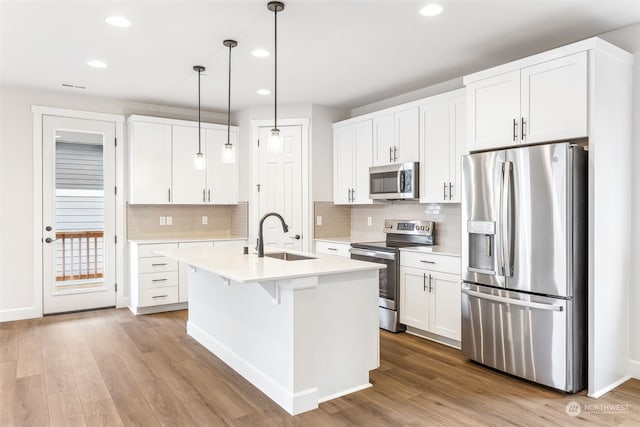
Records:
x=303, y=331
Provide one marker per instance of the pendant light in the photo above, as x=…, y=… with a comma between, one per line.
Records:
x=275, y=142
x=199, y=159
x=228, y=150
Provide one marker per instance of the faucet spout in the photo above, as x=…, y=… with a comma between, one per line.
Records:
x=260, y=246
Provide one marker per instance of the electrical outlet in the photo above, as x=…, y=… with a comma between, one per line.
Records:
x=319, y=220
x=169, y=220
x=369, y=220
x=163, y=220
x=205, y=220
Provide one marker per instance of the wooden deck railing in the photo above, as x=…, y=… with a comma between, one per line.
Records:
x=72, y=253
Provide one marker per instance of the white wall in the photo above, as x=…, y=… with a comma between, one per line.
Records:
x=322, y=119
x=628, y=38
x=16, y=178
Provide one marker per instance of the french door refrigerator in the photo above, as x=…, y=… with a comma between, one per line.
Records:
x=524, y=251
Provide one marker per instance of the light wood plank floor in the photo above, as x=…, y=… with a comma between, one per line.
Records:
x=110, y=368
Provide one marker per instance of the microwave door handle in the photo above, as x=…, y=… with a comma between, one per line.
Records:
x=401, y=181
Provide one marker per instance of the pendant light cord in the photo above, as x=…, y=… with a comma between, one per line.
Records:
x=199, y=130
x=275, y=86
x=229, y=102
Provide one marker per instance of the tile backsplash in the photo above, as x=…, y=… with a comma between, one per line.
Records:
x=336, y=220
x=143, y=221
x=446, y=217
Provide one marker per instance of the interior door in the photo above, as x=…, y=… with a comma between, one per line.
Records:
x=281, y=188
x=78, y=206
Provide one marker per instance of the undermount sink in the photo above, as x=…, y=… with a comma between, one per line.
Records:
x=287, y=256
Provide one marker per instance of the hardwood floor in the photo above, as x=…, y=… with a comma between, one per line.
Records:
x=111, y=368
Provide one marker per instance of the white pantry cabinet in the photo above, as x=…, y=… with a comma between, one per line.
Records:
x=352, y=158
x=430, y=294
x=546, y=101
x=396, y=136
x=161, y=163
x=442, y=143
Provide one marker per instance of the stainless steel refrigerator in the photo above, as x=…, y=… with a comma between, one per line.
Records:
x=524, y=252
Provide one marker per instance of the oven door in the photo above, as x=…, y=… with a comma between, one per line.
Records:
x=388, y=277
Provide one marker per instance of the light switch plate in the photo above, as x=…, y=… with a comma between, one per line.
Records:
x=169, y=220
x=205, y=220
x=369, y=220
x=319, y=220
x=163, y=220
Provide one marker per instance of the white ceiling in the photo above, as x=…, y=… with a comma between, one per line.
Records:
x=334, y=53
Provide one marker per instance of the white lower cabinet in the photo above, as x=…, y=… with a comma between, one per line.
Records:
x=430, y=294
x=329, y=247
x=159, y=283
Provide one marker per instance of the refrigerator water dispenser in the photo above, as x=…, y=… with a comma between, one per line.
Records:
x=481, y=246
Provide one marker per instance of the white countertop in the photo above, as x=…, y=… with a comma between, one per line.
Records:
x=435, y=249
x=347, y=240
x=188, y=240
x=232, y=264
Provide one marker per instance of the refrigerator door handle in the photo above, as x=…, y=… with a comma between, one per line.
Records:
x=501, y=216
x=505, y=221
x=504, y=300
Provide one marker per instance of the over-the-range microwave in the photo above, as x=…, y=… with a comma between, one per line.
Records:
x=394, y=182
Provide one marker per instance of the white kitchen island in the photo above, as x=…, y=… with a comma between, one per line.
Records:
x=303, y=331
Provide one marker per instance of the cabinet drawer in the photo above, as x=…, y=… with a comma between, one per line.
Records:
x=433, y=262
x=158, y=263
x=331, y=248
x=146, y=251
x=158, y=280
x=158, y=296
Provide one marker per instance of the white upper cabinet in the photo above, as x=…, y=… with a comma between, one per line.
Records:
x=188, y=182
x=222, y=178
x=150, y=163
x=396, y=137
x=352, y=158
x=161, y=163
x=542, y=102
x=442, y=143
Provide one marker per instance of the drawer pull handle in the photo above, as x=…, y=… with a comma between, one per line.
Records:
x=427, y=262
x=158, y=264
x=332, y=249
x=159, y=296
x=159, y=280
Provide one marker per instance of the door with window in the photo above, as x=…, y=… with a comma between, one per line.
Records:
x=280, y=188
x=78, y=207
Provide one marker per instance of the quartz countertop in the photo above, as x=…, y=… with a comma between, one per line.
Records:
x=178, y=240
x=435, y=249
x=343, y=239
x=232, y=264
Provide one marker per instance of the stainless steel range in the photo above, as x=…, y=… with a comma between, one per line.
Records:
x=400, y=234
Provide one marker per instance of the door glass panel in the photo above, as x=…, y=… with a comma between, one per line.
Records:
x=79, y=210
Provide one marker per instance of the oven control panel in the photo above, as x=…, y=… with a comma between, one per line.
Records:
x=416, y=227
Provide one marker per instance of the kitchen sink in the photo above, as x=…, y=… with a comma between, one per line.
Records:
x=288, y=256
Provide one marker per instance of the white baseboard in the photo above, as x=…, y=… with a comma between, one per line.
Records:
x=159, y=308
x=294, y=403
x=634, y=369
x=20, y=314
x=608, y=388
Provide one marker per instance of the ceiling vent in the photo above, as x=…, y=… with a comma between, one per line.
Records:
x=70, y=86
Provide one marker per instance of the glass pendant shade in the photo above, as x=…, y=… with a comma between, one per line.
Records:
x=228, y=154
x=275, y=141
x=198, y=161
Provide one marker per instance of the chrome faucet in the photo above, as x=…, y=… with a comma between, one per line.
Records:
x=260, y=245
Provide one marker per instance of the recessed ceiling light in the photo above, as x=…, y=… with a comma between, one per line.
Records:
x=431, y=9
x=263, y=92
x=118, y=21
x=260, y=53
x=96, y=64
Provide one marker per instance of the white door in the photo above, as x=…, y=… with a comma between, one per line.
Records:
x=458, y=148
x=362, y=161
x=151, y=154
x=407, y=147
x=414, y=298
x=281, y=188
x=444, y=310
x=78, y=207
x=384, y=134
x=343, y=164
x=436, y=151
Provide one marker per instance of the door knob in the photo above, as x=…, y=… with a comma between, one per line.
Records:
x=297, y=237
x=49, y=240
x=48, y=228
